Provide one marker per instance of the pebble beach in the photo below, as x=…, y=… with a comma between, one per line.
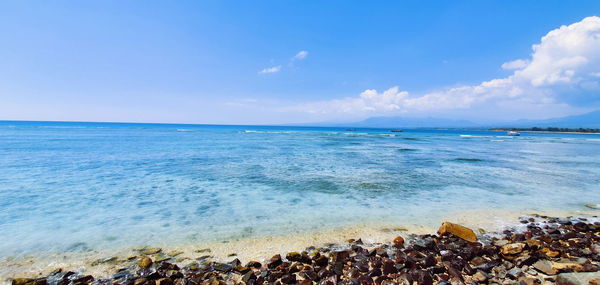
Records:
x=535, y=250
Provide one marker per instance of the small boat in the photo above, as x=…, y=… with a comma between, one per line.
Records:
x=350, y=130
x=396, y=131
x=513, y=133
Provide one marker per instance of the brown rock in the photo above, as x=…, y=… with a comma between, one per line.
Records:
x=241, y=269
x=288, y=278
x=339, y=256
x=477, y=260
x=399, y=241
x=389, y=267
x=254, y=264
x=533, y=243
x=528, y=280
x=549, y=253
x=552, y=268
x=275, y=261
x=145, y=262
x=164, y=281
x=564, y=266
x=21, y=281
x=458, y=230
x=293, y=256
x=321, y=260
x=479, y=277
x=512, y=248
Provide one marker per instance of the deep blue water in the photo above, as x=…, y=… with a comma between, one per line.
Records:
x=78, y=186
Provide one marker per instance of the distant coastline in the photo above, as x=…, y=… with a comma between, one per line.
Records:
x=550, y=130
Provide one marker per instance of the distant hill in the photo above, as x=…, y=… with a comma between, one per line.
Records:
x=402, y=122
x=587, y=120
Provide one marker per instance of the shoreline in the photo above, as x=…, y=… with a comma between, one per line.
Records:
x=536, y=249
x=102, y=264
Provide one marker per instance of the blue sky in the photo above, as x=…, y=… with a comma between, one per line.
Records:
x=207, y=61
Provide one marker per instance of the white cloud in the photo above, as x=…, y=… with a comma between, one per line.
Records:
x=368, y=101
x=300, y=55
x=273, y=69
x=515, y=64
x=562, y=72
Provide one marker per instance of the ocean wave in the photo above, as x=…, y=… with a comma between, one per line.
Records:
x=474, y=136
x=268, y=132
x=356, y=134
x=465, y=159
x=62, y=127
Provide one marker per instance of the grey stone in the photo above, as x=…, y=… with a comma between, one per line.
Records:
x=580, y=278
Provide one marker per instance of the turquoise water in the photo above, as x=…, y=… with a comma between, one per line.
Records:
x=83, y=186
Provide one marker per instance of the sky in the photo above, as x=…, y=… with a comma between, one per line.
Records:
x=280, y=62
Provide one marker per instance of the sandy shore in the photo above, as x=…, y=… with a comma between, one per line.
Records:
x=106, y=262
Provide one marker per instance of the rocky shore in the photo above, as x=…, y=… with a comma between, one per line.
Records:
x=540, y=250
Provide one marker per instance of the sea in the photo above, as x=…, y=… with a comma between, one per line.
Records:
x=76, y=187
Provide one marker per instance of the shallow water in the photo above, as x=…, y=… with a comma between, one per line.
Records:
x=77, y=187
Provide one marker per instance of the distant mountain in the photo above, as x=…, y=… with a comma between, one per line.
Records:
x=587, y=120
x=402, y=122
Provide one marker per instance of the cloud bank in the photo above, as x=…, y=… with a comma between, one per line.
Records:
x=563, y=71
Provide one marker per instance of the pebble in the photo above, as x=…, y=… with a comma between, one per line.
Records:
x=512, y=248
x=145, y=262
x=398, y=241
